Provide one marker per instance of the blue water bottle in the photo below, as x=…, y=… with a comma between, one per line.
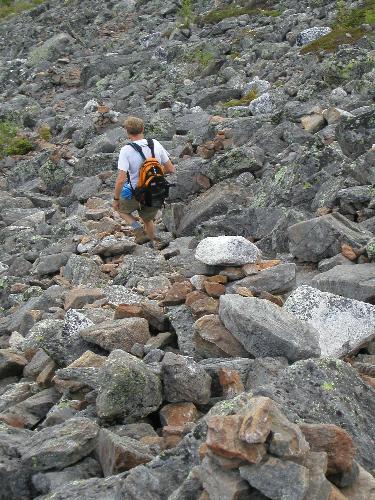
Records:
x=126, y=191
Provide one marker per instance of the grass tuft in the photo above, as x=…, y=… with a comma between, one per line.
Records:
x=12, y=7
x=244, y=101
x=347, y=28
x=12, y=143
x=217, y=15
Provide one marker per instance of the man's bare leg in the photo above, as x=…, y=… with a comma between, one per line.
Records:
x=128, y=218
x=138, y=231
x=149, y=229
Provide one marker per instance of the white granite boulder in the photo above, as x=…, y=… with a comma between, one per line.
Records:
x=310, y=34
x=227, y=251
x=343, y=324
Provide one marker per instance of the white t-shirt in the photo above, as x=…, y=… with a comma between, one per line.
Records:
x=131, y=161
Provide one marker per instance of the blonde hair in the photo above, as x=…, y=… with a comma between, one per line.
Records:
x=134, y=125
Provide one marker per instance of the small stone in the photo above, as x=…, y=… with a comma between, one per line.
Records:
x=313, y=123
x=79, y=297
x=336, y=442
x=177, y=293
x=213, y=340
x=178, y=414
x=233, y=273
x=348, y=252
x=204, y=306
x=128, y=311
x=223, y=439
x=214, y=289
x=117, y=454
x=11, y=363
x=230, y=382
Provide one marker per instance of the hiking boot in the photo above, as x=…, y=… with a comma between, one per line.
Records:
x=140, y=236
x=159, y=244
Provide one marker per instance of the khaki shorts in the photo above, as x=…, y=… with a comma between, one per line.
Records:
x=145, y=213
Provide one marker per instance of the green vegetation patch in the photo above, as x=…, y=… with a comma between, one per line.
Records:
x=244, y=101
x=217, y=15
x=347, y=28
x=11, y=142
x=12, y=7
x=201, y=56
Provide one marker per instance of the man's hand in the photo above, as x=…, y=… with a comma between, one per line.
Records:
x=116, y=205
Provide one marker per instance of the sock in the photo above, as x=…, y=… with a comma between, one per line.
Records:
x=136, y=225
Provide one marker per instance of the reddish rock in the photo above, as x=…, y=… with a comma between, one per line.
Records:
x=369, y=380
x=336, y=442
x=207, y=305
x=213, y=340
x=244, y=292
x=231, y=383
x=217, y=278
x=194, y=296
x=128, y=311
x=348, y=252
x=214, y=289
x=257, y=423
x=336, y=494
x=177, y=293
x=275, y=299
x=203, y=182
x=117, y=454
x=178, y=414
x=223, y=439
x=155, y=315
x=44, y=379
x=79, y=297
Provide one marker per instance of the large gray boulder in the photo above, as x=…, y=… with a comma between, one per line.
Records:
x=81, y=270
x=185, y=380
x=127, y=388
x=61, y=445
x=227, y=251
x=356, y=134
x=266, y=330
x=217, y=200
x=322, y=237
x=343, y=324
x=355, y=282
x=328, y=391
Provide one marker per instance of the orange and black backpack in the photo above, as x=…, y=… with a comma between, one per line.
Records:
x=152, y=187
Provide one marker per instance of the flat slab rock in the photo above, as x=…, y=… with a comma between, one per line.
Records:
x=343, y=324
x=356, y=282
x=227, y=250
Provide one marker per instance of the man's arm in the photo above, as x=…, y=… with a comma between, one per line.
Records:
x=121, y=178
x=168, y=167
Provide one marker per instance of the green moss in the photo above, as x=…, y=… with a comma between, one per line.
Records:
x=328, y=386
x=44, y=132
x=217, y=15
x=11, y=7
x=346, y=29
x=201, y=56
x=11, y=142
x=307, y=185
x=244, y=101
x=280, y=174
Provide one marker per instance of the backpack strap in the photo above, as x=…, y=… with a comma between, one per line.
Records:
x=137, y=148
x=150, y=144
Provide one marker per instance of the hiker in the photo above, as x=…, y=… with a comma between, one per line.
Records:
x=128, y=196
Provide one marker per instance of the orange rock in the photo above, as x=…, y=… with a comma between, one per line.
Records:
x=336, y=442
x=231, y=382
x=348, y=252
x=79, y=297
x=336, y=494
x=214, y=289
x=244, y=292
x=257, y=423
x=369, y=380
x=223, y=439
x=177, y=293
x=203, y=450
x=103, y=109
x=44, y=379
x=128, y=311
x=201, y=307
x=178, y=414
x=193, y=297
x=217, y=278
x=267, y=264
x=323, y=211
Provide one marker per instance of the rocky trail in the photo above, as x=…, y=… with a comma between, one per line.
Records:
x=238, y=363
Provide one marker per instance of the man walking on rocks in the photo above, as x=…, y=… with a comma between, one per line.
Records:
x=129, y=164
